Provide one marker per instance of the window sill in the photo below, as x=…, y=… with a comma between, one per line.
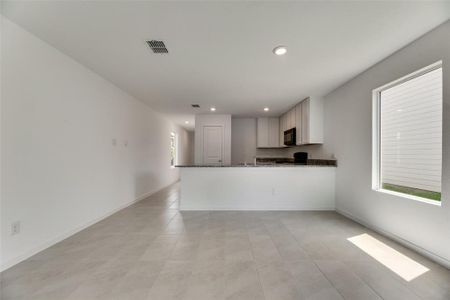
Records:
x=415, y=198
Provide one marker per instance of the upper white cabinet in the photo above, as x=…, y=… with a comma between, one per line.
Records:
x=306, y=117
x=274, y=125
x=284, y=125
x=309, y=121
x=291, y=119
x=262, y=132
x=298, y=123
x=287, y=121
x=267, y=133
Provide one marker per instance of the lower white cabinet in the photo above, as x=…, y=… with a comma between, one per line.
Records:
x=267, y=133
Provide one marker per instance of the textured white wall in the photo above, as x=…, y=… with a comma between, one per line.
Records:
x=348, y=134
x=60, y=170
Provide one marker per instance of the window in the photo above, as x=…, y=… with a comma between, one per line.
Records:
x=173, y=149
x=407, y=137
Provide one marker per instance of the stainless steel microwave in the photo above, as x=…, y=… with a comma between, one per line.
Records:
x=289, y=137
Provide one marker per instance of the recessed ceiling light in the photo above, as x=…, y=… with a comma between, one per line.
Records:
x=212, y=109
x=186, y=122
x=266, y=109
x=280, y=50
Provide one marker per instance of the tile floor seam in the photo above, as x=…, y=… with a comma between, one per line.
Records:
x=260, y=280
x=299, y=244
x=328, y=279
x=366, y=283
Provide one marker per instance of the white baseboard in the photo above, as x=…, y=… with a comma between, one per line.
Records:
x=27, y=254
x=212, y=208
x=434, y=257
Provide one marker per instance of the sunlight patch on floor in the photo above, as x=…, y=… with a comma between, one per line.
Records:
x=397, y=262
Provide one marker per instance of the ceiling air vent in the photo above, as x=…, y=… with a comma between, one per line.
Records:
x=157, y=46
x=195, y=105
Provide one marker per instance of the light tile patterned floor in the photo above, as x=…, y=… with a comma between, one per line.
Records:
x=153, y=251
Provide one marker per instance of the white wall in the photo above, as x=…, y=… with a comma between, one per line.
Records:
x=212, y=119
x=1, y=129
x=60, y=169
x=348, y=134
x=186, y=147
x=243, y=144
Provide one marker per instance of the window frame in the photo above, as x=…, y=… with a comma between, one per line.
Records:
x=376, y=134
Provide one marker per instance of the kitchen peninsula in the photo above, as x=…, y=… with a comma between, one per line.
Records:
x=261, y=186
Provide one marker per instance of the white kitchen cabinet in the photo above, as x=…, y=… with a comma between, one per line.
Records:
x=262, y=132
x=287, y=121
x=274, y=128
x=310, y=112
x=291, y=119
x=306, y=117
x=298, y=123
x=283, y=127
x=267, y=133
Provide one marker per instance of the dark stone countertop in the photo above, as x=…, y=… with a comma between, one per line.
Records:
x=275, y=163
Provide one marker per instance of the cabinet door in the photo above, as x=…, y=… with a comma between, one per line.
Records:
x=298, y=124
x=305, y=121
x=274, y=131
x=282, y=129
x=292, y=118
x=262, y=132
x=288, y=120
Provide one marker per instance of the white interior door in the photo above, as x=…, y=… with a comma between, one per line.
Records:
x=213, y=145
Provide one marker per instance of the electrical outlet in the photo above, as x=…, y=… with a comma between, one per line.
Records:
x=273, y=191
x=114, y=142
x=15, y=228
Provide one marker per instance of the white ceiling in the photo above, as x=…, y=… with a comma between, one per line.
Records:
x=220, y=53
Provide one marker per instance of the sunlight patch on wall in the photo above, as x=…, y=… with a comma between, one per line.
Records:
x=397, y=262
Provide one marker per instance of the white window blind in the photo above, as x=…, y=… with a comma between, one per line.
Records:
x=411, y=133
